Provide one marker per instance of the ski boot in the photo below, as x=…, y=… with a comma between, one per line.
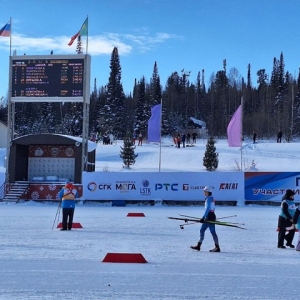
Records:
x=197, y=247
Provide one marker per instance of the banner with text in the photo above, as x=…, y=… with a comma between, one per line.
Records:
x=270, y=186
x=180, y=186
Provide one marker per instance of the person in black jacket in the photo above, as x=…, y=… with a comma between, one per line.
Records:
x=279, y=136
x=285, y=220
x=254, y=136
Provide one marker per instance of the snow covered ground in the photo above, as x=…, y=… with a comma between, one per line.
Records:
x=40, y=263
x=267, y=156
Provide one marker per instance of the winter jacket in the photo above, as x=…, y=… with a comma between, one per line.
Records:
x=296, y=219
x=209, y=213
x=68, y=194
x=287, y=212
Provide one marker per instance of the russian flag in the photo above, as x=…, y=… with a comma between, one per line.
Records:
x=5, y=31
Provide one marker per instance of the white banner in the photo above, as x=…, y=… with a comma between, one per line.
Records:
x=180, y=186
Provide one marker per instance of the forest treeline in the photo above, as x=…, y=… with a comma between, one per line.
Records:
x=270, y=102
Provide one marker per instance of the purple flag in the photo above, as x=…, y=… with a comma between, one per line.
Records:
x=154, y=124
x=234, y=129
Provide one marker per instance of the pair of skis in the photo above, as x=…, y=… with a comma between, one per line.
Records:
x=189, y=220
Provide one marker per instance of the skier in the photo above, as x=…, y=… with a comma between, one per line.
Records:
x=67, y=195
x=285, y=220
x=209, y=215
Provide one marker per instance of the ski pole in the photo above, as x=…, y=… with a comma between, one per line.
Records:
x=57, y=213
x=182, y=225
x=226, y=217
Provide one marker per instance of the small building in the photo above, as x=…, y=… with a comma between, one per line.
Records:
x=48, y=157
x=40, y=164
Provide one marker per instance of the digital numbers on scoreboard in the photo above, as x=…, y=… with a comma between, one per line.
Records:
x=46, y=78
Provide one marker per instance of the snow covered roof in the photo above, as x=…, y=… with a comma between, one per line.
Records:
x=41, y=138
x=201, y=124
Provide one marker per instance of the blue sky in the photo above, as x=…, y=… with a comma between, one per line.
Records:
x=177, y=34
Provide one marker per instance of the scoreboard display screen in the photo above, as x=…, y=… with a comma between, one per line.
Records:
x=38, y=77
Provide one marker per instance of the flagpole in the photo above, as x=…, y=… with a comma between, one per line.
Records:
x=10, y=37
x=160, y=120
x=87, y=35
x=242, y=133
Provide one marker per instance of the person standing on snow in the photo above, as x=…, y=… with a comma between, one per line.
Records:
x=67, y=195
x=254, y=136
x=279, y=136
x=296, y=220
x=183, y=140
x=140, y=137
x=285, y=220
x=209, y=215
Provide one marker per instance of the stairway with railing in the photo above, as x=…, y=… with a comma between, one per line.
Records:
x=12, y=192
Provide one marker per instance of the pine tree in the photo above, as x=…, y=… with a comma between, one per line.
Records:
x=114, y=106
x=79, y=48
x=155, y=87
x=142, y=109
x=210, y=159
x=127, y=153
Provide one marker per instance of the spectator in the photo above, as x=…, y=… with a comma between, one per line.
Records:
x=194, y=135
x=134, y=136
x=188, y=138
x=279, y=136
x=178, y=139
x=254, y=136
x=110, y=138
x=140, y=137
x=183, y=140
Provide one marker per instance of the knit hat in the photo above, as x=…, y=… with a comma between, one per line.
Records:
x=69, y=185
x=289, y=193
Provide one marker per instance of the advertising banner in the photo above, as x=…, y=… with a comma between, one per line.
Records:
x=270, y=186
x=181, y=186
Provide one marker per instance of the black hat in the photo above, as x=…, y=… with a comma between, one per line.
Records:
x=289, y=193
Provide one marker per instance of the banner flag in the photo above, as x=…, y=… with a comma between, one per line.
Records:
x=5, y=30
x=154, y=125
x=82, y=32
x=234, y=129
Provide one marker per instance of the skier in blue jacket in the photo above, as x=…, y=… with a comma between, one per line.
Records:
x=67, y=195
x=209, y=215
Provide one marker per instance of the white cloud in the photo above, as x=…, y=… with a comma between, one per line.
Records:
x=97, y=45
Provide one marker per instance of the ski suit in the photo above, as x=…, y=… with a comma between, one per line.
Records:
x=209, y=215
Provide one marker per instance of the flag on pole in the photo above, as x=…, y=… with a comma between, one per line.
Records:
x=5, y=31
x=154, y=124
x=82, y=32
x=234, y=129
